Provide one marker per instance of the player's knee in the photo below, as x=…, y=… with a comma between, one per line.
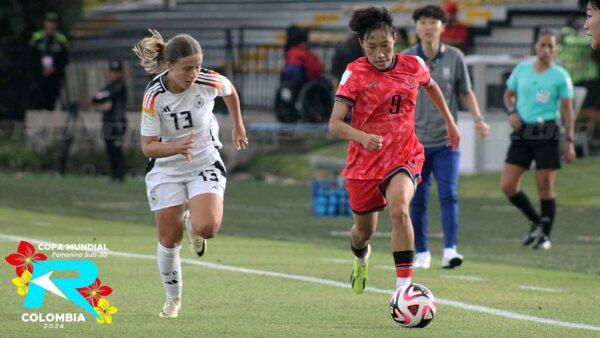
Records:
x=207, y=229
x=366, y=233
x=508, y=189
x=399, y=214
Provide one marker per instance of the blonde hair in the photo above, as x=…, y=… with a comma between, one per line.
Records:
x=154, y=53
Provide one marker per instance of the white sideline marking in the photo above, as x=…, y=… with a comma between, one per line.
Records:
x=537, y=288
x=347, y=233
x=41, y=223
x=588, y=238
x=500, y=208
x=345, y=285
x=464, y=277
x=338, y=260
x=436, y=235
x=379, y=234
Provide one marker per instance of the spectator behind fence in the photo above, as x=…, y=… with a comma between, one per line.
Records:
x=535, y=90
x=456, y=33
x=301, y=66
x=112, y=102
x=48, y=59
x=300, y=62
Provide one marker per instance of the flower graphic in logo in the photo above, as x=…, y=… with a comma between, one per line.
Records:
x=40, y=281
x=22, y=283
x=105, y=311
x=93, y=292
x=23, y=258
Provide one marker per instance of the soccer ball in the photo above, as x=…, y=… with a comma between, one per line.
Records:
x=412, y=306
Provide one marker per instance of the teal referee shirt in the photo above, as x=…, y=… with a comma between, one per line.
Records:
x=539, y=94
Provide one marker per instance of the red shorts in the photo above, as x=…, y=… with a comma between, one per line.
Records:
x=367, y=196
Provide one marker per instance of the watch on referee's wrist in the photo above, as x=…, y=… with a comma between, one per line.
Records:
x=569, y=139
x=511, y=111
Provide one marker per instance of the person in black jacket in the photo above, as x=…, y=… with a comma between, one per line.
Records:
x=112, y=102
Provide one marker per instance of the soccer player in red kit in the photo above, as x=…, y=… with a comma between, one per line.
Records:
x=384, y=155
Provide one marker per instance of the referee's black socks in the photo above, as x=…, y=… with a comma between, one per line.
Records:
x=521, y=201
x=548, y=208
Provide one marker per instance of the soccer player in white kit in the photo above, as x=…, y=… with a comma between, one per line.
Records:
x=181, y=136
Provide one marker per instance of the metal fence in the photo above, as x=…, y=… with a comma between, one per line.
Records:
x=249, y=58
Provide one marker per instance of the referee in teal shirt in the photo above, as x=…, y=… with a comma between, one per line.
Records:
x=535, y=89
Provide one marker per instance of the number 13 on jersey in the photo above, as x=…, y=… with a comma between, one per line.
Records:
x=187, y=119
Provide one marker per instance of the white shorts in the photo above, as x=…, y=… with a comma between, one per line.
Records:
x=169, y=190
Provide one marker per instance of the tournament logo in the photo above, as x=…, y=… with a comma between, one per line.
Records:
x=35, y=278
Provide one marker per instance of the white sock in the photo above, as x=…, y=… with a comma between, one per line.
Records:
x=169, y=266
x=401, y=282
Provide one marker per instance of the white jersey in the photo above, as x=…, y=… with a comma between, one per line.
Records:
x=173, y=116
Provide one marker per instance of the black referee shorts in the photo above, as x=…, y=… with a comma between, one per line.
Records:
x=538, y=142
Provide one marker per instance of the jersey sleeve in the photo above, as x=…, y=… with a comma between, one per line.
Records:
x=349, y=88
x=150, y=123
x=422, y=74
x=227, y=88
x=513, y=79
x=463, y=80
x=218, y=84
x=566, y=89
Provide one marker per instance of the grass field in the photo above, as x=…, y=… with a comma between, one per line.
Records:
x=277, y=271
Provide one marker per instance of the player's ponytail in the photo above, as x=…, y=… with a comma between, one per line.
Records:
x=150, y=51
x=366, y=20
x=154, y=53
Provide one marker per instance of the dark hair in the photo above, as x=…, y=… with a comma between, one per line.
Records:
x=583, y=4
x=546, y=31
x=366, y=20
x=430, y=11
x=295, y=35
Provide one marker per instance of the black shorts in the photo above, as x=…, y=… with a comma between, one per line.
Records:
x=535, y=142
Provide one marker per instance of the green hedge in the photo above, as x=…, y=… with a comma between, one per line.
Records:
x=18, y=157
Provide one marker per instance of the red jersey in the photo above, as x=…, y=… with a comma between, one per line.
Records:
x=300, y=55
x=383, y=103
x=456, y=34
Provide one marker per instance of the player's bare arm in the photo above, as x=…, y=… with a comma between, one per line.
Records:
x=152, y=147
x=434, y=93
x=510, y=102
x=238, y=134
x=341, y=129
x=482, y=128
x=568, y=150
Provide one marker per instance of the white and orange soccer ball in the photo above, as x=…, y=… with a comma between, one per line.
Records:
x=412, y=306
